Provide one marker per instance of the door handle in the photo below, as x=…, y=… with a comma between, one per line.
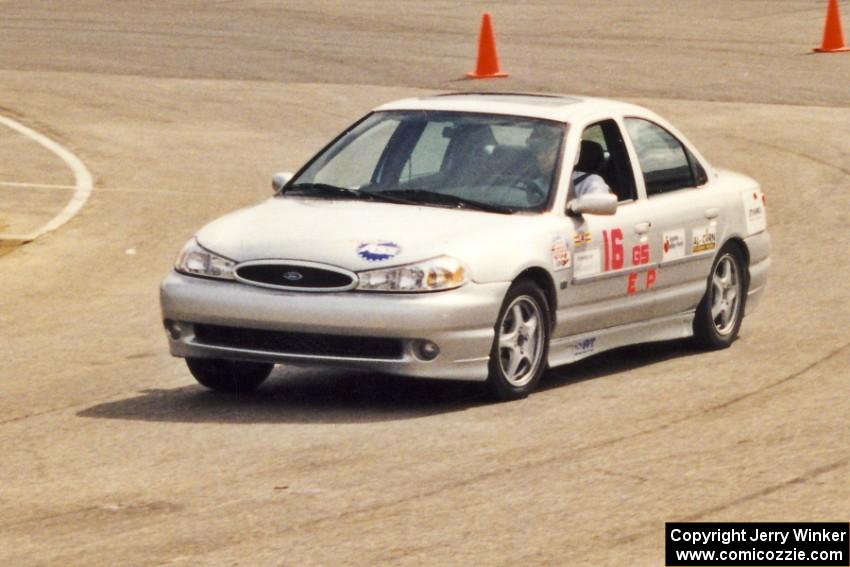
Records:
x=712, y=213
x=643, y=227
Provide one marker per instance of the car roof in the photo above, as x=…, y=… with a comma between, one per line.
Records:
x=562, y=108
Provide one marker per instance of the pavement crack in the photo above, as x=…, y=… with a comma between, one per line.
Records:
x=801, y=155
x=651, y=529
x=768, y=490
x=788, y=378
x=58, y=409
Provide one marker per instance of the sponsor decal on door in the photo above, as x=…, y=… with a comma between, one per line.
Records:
x=704, y=239
x=673, y=244
x=587, y=263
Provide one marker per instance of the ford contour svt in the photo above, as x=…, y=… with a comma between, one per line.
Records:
x=475, y=237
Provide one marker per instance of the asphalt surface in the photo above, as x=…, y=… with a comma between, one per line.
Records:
x=111, y=454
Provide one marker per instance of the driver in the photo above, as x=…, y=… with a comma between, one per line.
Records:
x=585, y=179
x=544, y=143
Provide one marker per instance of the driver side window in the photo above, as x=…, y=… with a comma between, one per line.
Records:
x=603, y=153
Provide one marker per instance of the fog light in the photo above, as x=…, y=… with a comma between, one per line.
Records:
x=426, y=350
x=174, y=329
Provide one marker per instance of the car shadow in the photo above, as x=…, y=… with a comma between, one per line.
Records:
x=318, y=396
x=299, y=395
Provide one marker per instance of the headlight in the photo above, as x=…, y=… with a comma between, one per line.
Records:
x=436, y=274
x=196, y=260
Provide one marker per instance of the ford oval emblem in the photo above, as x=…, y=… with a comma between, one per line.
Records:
x=292, y=276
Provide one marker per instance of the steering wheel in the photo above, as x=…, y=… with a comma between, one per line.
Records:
x=534, y=193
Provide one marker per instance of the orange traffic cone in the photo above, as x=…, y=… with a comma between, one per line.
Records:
x=487, y=66
x=833, y=37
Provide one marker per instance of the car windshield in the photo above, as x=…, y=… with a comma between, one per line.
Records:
x=449, y=159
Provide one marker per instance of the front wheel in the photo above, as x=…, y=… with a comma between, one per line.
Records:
x=521, y=344
x=721, y=311
x=231, y=376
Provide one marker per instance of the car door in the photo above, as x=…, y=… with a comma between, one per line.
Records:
x=613, y=269
x=686, y=222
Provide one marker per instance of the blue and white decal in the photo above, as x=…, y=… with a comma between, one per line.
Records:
x=378, y=251
x=585, y=347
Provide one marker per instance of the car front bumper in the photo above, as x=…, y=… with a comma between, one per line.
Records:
x=460, y=322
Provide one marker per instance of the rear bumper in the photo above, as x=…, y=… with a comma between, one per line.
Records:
x=758, y=246
x=459, y=321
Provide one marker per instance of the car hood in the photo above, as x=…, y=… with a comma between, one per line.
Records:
x=355, y=235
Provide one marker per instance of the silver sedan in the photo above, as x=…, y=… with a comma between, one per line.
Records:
x=477, y=237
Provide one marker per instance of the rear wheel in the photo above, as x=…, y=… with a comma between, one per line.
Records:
x=721, y=311
x=229, y=375
x=521, y=344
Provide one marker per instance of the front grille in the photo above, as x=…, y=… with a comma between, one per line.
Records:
x=288, y=276
x=299, y=343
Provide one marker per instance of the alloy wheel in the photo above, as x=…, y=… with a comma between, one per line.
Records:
x=726, y=294
x=521, y=341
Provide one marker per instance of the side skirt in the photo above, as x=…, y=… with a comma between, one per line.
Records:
x=577, y=347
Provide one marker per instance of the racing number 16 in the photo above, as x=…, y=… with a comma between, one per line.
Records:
x=613, y=249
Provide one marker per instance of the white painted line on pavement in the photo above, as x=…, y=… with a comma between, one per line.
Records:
x=82, y=188
x=17, y=185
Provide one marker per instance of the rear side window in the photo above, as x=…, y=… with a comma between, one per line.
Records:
x=665, y=162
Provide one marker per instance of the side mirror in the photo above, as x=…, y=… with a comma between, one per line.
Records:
x=594, y=204
x=281, y=179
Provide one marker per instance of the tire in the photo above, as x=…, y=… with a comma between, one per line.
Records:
x=232, y=376
x=520, y=346
x=721, y=310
